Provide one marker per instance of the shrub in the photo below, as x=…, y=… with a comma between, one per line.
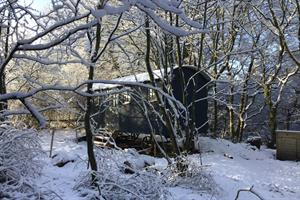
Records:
x=19, y=163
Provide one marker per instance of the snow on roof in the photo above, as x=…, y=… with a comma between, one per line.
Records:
x=142, y=77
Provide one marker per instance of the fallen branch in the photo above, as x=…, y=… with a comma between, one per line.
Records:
x=248, y=190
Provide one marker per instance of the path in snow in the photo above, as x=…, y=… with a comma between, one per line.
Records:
x=62, y=180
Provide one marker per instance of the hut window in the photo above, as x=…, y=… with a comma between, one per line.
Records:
x=126, y=98
x=115, y=99
x=151, y=95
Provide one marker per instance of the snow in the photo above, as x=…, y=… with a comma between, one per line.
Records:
x=187, y=194
x=271, y=178
x=150, y=7
x=62, y=180
x=233, y=167
x=142, y=77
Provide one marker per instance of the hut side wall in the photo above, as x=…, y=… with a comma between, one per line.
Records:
x=132, y=119
x=192, y=91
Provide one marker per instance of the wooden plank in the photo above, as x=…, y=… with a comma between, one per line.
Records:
x=288, y=131
x=288, y=144
x=288, y=135
x=280, y=134
x=286, y=149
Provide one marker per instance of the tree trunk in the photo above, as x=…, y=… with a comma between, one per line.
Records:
x=200, y=54
x=231, y=123
x=273, y=125
x=230, y=113
x=241, y=130
x=167, y=118
x=215, y=113
x=89, y=102
x=287, y=120
x=272, y=114
x=88, y=129
x=3, y=104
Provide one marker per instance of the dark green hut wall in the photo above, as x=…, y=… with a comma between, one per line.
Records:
x=189, y=87
x=132, y=119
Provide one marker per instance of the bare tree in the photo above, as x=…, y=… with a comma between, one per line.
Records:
x=282, y=23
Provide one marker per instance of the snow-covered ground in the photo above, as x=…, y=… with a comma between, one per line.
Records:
x=232, y=166
x=271, y=178
x=62, y=180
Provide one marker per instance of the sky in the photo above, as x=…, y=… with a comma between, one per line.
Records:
x=38, y=4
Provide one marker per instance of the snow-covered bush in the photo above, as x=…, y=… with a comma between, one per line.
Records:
x=140, y=185
x=113, y=183
x=145, y=179
x=186, y=173
x=19, y=164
